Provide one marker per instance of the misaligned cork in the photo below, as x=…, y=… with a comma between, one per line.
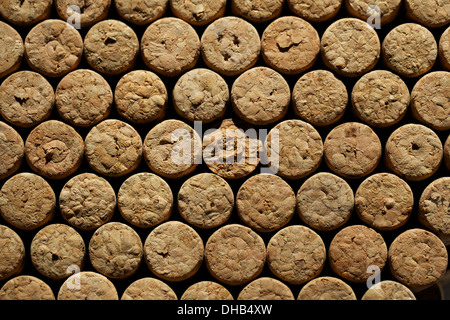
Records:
x=326, y=288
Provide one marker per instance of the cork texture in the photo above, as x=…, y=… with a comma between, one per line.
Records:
x=12, y=150
x=87, y=12
x=148, y=289
x=198, y=13
x=87, y=285
x=326, y=288
x=12, y=49
x=266, y=289
x=388, y=10
x=257, y=11
x=26, y=12
x=316, y=11
x=447, y=153
x=444, y=49
x=12, y=253
x=141, y=12
x=388, y=290
x=206, y=290
x=431, y=13
x=26, y=288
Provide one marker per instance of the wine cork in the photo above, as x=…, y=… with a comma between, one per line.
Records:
x=12, y=49
x=85, y=14
x=111, y=47
x=198, y=13
x=141, y=97
x=230, y=45
x=290, y=45
x=260, y=96
x=410, y=50
x=148, y=289
x=12, y=150
x=384, y=201
x=319, y=98
x=87, y=201
x=54, y=149
x=434, y=205
x=83, y=98
x=201, y=95
x=326, y=288
x=27, y=201
x=266, y=288
x=113, y=148
x=174, y=251
x=235, y=254
x=205, y=200
x=26, y=99
x=115, y=250
x=296, y=254
x=352, y=150
x=265, y=202
x=26, y=288
x=388, y=290
x=414, y=152
x=354, y=249
x=25, y=12
x=350, y=47
x=87, y=285
x=447, y=153
x=53, y=48
x=325, y=201
x=257, y=12
x=444, y=49
x=298, y=147
x=56, y=248
x=380, y=98
x=313, y=10
x=385, y=11
x=429, y=99
x=141, y=12
x=12, y=253
x=172, y=148
x=430, y=13
x=170, y=47
x=417, y=258
x=145, y=200
x=229, y=151
x=206, y=290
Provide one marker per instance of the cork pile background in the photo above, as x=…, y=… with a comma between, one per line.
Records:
x=349, y=77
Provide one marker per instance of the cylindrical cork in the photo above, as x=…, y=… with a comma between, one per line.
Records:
x=444, y=49
x=418, y=259
x=53, y=48
x=266, y=288
x=384, y=201
x=325, y=201
x=410, y=50
x=319, y=98
x=207, y=290
x=87, y=201
x=434, y=206
x=12, y=253
x=315, y=10
x=265, y=202
x=414, y=152
x=352, y=150
x=82, y=14
x=447, y=153
x=235, y=254
x=378, y=11
x=172, y=149
x=380, y=98
x=326, y=288
x=430, y=98
x=174, y=251
x=55, y=249
x=12, y=49
x=355, y=251
x=431, y=13
x=25, y=12
x=111, y=47
x=350, y=47
x=54, y=149
x=230, y=45
x=141, y=12
x=198, y=13
x=205, y=200
x=115, y=250
x=257, y=12
x=145, y=200
x=27, y=201
x=201, y=95
x=296, y=254
x=26, y=99
x=170, y=46
x=290, y=45
x=87, y=285
x=148, y=289
x=113, y=148
x=12, y=150
x=26, y=288
x=388, y=290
